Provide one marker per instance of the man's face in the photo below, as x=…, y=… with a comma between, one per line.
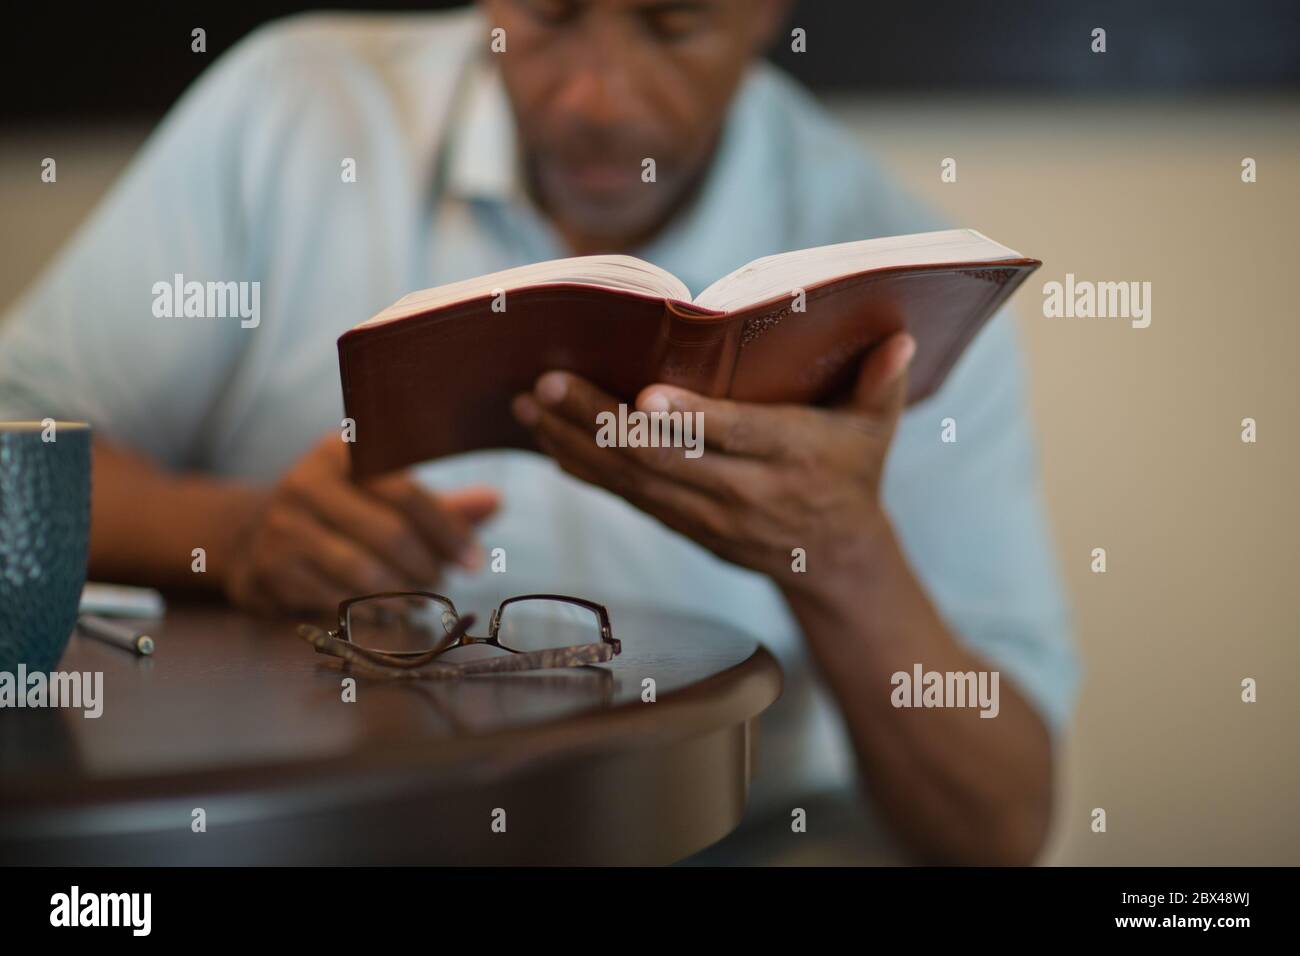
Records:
x=599, y=86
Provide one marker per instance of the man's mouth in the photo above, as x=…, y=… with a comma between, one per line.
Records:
x=597, y=177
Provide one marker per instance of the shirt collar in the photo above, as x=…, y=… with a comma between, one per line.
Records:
x=483, y=156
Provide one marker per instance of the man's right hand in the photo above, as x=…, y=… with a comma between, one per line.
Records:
x=320, y=538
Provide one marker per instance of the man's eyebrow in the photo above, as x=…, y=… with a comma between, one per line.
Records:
x=673, y=6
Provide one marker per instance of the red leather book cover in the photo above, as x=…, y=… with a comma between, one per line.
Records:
x=441, y=382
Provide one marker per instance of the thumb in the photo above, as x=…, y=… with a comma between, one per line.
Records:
x=473, y=503
x=882, y=378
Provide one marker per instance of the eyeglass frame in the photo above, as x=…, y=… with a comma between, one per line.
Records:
x=406, y=663
x=494, y=620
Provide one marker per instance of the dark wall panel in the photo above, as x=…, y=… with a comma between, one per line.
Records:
x=114, y=60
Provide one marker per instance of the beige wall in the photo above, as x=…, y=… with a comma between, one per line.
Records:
x=1139, y=430
x=1140, y=436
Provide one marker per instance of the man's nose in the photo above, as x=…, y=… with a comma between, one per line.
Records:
x=589, y=96
x=597, y=88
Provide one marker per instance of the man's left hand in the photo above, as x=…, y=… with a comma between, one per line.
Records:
x=772, y=478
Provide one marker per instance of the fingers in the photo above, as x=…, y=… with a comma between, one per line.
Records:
x=882, y=378
x=296, y=538
x=740, y=429
x=301, y=587
x=780, y=431
x=567, y=417
x=575, y=451
x=429, y=526
x=297, y=564
x=445, y=534
x=745, y=430
x=474, y=504
x=381, y=529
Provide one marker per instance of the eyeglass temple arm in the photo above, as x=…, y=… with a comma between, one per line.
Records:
x=373, y=662
x=328, y=642
x=453, y=636
x=575, y=656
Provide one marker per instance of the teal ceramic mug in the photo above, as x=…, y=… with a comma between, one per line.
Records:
x=44, y=538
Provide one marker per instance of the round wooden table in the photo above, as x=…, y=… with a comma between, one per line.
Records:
x=239, y=718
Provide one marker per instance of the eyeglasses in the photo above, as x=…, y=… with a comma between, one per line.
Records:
x=403, y=633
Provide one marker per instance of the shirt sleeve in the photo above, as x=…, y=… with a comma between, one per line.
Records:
x=84, y=343
x=970, y=517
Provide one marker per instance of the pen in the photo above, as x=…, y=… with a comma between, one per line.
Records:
x=116, y=634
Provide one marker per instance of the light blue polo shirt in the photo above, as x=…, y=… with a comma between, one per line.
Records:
x=243, y=181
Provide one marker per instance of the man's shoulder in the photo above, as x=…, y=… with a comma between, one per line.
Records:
x=380, y=79
x=380, y=39
x=332, y=60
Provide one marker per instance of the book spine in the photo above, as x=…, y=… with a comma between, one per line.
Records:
x=700, y=349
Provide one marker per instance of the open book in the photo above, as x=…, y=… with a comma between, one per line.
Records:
x=434, y=373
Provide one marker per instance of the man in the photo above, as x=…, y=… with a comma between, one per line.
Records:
x=515, y=133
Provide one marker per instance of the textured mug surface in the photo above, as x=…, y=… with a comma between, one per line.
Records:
x=44, y=538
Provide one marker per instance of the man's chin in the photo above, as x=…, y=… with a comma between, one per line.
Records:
x=602, y=202
x=613, y=214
